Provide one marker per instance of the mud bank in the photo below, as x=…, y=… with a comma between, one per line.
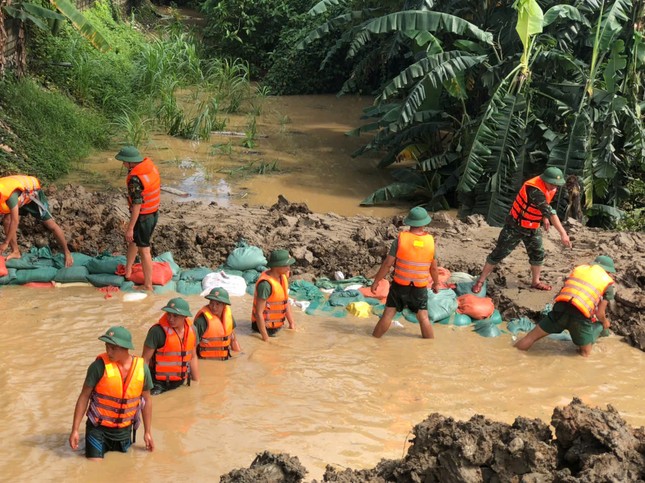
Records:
x=583, y=444
x=203, y=235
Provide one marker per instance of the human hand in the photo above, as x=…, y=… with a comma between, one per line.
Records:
x=606, y=323
x=129, y=235
x=150, y=444
x=565, y=240
x=374, y=286
x=435, y=287
x=546, y=223
x=73, y=439
x=292, y=325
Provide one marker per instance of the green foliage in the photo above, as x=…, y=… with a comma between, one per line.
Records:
x=49, y=130
x=634, y=207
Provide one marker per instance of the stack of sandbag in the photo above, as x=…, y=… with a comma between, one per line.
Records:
x=442, y=304
x=235, y=285
x=103, y=270
x=77, y=273
x=34, y=267
x=190, y=281
x=175, y=269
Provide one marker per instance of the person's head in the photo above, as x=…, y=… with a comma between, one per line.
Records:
x=280, y=261
x=177, y=310
x=218, y=299
x=553, y=177
x=417, y=218
x=118, y=341
x=129, y=156
x=606, y=263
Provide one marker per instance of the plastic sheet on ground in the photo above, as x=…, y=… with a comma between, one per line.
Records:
x=304, y=290
x=322, y=308
x=233, y=284
x=324, y=282
x=341, y=298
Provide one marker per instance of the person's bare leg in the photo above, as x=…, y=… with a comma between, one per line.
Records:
x=536, y=270
x=13, y=241
x=57, y=231
x=427, y=331
x=486, y=271
x=130, y=258
x=585, y=350
x=529, y=339
x=384, y=322
x=146, y=264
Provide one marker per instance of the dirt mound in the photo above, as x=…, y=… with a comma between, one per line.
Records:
x=204, y=235
x=590, y=444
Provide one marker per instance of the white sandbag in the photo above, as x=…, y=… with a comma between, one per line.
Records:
x=460, y=277
x=134, y=296
x=233, y=284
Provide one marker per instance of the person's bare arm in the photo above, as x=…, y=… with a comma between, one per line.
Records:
x=601, y=314
x=259, y=313
x=434, y=273
x=146, y=414
x=387, y=264
x=147, y=354
x=194, y=366
x=79, y=411
x=555, y=221
x=289, y=314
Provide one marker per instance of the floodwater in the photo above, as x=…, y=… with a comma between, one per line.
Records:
x=328, y=392
x=301, y=148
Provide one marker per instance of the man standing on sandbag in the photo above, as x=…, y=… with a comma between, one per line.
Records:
x=413, y=256
x=271, y=298
x=144, y=193
x=115, y=392
x=216, y=328
x=579, y=307
x=21, y=195
x=531, y=209
x=169, y=348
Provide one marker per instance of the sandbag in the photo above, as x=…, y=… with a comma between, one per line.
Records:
x=162, y=289
x=9, y=277
x=342, y=298
x=381, y=291
x=486, y=329
x=40, y=284
x=105, y=264
x=189, y=287
x=495, y=318
x=456, y=319
x=72, y=274
x=233, y=284
x=81, y=259
x=463, y=288
x=195, y=274
x=442, y=304
x=476, y=307
x=4, y=271
x=105, y=279
x=250, y=276
x=361, y=310
x=161, y=273
x=44, y=274
x=461, y=277
x=167, y=257
x=25, y=262
x=245, y=257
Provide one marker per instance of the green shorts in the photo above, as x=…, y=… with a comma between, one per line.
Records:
x=143, y=229
x=100, y=440
x=39, y=212
x=565, y=316
x=402, y=296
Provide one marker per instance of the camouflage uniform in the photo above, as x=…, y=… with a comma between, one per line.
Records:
x=145, y=224
x=512, y=233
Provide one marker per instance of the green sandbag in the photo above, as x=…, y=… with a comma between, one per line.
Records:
x=250, y=289
x=25, y=262
x=522, y=324
x=442, y=304
x=231, y=271
x=409, y=316
x=80, y=259
x=105, y=264
x=161, y=289
x=127, y=286
x=495, y=318
x=324, y=282
x=342, y=298
x=304, y=290
x=167, y=257
x=245, y=257
x=324, y=309
x=456, y=319
x=448, y=320
x=9, y=277
x=189, y=287
x=105, y=280
x=44, y=274
x=250, y=276
x=486, y=329
x=194, y=274
x=464, y=288
x=72, y=274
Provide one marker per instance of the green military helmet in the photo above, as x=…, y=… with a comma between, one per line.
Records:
x=418, y=216
x=129, y=154
x=219, y=294
x=607, y=263
x=553, y=175
x=177, y=306
x=119, y=336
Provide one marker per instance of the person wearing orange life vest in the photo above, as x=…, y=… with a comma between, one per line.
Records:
x=23, y=195
x=144, y=193
x=530, y=210
x=170, y=348
x=216, y=327
x=580, y=307
x=115, y=393
x=271, y=297
x=413, y=256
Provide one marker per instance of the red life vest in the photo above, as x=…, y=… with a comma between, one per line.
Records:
x=171, y=362
x=525, y=213
x=216, y=341
x=414, y=256
x=25, y=184
x=275, y=310
x=584, y=288
x=115, y=402
x=148, y=173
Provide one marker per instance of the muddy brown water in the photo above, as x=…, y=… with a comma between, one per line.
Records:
x=327, y=393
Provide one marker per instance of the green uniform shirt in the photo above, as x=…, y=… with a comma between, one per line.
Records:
x=263, y=290
x=135, y=190
x=156, y=337
x=13, y=199
x=201, y=324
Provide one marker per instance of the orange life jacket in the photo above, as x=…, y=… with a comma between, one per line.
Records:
x=523, y=212
x=414, y=256
x=584, y=288
x=115, y=402
x=148, y=173
x=171, y=362
x=25, y=184
x=216, y=341
x=275, y=310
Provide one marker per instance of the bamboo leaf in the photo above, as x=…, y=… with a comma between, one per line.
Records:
x=81, y=24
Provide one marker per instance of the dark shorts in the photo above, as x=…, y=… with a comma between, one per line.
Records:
x=402, y=296
x=161, y=387
x=99, y=440
x=565, y=316
x=39, y=212
x=270, y=332
x=143, y=229
x=510, y=236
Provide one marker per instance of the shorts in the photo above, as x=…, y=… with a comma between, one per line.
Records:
x=143, y=229
x=39, y=212
x=270, y=332
x=510, y=236
x=161, y=387
x=98, y=441
x=565, y=316
x=401, y=296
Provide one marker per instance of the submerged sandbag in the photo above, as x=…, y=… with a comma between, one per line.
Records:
x=169, y=287
x=72, y=274
x=44, y=274
x=105, y=264
x=456, y=319
x=245, y=257
x=486, y=328
x=105, y=280
x=442, y=304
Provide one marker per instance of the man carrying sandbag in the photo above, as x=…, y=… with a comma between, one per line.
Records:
x=413, y=256
x=144, y=193
x=579, y=307
x=22, y=195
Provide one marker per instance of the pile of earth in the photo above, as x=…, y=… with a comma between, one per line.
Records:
x=590, y=444
x=322, y=244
